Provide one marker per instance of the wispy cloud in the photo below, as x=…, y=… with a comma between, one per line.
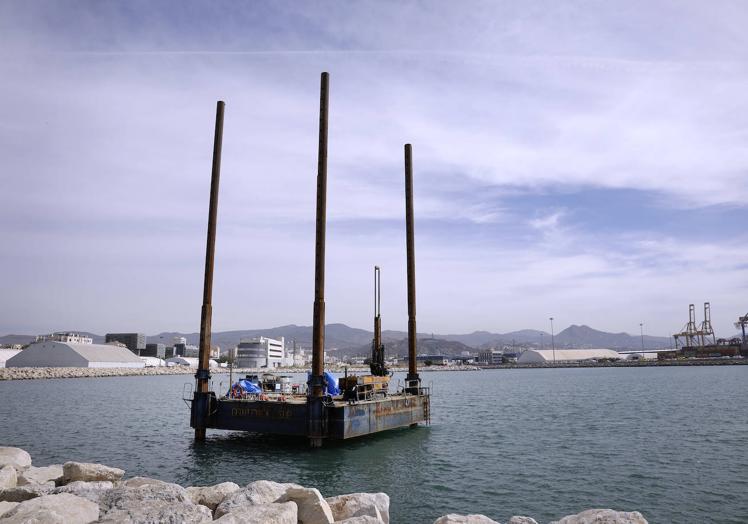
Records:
x=575, y=159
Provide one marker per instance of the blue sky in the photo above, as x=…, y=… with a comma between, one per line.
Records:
x=580, y=160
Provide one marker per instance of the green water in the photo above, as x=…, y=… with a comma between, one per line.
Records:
x=669, y=442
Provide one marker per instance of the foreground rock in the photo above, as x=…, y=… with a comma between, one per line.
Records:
x=78, y=492
x=63, y=509
x=313, y=508
x=258, y=492
x=88, y=472
x=212, y=496
x=273, y=513
x=8, y=477
x=15, y=457
x=5, y=507
x=21, y=493
x=603, y=516
x=151, y=502
x=364, y=519
x=375, y=505
x=34, y=475
x=92, y=491
x=453, y=518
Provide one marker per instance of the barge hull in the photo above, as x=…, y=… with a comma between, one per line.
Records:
x=341, y=420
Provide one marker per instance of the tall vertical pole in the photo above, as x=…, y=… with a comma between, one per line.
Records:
x=200, y=402
x=553, y=341
x=412, y=378
x=317, y=380
x=641, y=330
x=377, y=316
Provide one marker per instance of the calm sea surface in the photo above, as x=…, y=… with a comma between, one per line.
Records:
x=669, y=442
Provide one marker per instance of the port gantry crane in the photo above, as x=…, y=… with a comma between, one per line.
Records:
x=693, y=336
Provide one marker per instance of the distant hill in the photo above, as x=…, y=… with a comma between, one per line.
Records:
x=336, y=335
x=586, y=337
x=17, y=339
x=351, y=340
x=430, y=346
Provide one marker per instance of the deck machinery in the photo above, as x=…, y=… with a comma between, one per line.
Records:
x=364, y=387
x=316, y=415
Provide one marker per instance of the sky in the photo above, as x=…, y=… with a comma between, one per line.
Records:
x=580, y=160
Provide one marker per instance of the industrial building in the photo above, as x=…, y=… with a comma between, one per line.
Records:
x=66, y=354
x=155, y=350
x=430, y=360
x=549, y=356
x=65, y=336
x=260, y=352
x=491, y=357
x=135, y=342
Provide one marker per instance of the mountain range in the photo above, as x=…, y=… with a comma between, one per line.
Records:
x=350, y=340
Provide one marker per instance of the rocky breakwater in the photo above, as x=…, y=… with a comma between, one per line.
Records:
x=81, y=493
x=42, y=373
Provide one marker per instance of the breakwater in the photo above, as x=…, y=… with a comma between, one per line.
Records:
x=83, y=493
x=55, y=372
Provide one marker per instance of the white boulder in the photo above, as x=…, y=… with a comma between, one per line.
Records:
x=89, y=472
x=313, y=508
x=273, y=513
x=5, y=507
x=453, y=518
x=137, y=482
x=151, y=503
x=603, y=516
x=212, y=496
x=54, y=509
x=92, y=491
x=122, y=495
x=521, y=520
x=43, y=475
x=8, y=477
x=360, y=504
x=156, y=512
x=15, y=457
x=258, y=492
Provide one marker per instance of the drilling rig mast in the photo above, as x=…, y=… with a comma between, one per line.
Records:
x=377, y=366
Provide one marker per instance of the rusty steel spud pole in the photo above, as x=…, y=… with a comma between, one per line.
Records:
x=411, y=255
x=316, y=381
x=200, y=410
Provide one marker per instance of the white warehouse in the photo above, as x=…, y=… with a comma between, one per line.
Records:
x=543, y=356
x=6, y=354
x=69, y=355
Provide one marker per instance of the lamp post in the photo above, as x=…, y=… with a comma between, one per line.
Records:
x=553, y=342
x=641, y=330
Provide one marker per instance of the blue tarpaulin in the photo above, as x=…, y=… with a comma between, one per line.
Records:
x=332, y=383
x=245, y=386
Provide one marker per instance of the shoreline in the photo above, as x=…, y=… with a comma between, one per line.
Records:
x=42, y=373
x=85, y=493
